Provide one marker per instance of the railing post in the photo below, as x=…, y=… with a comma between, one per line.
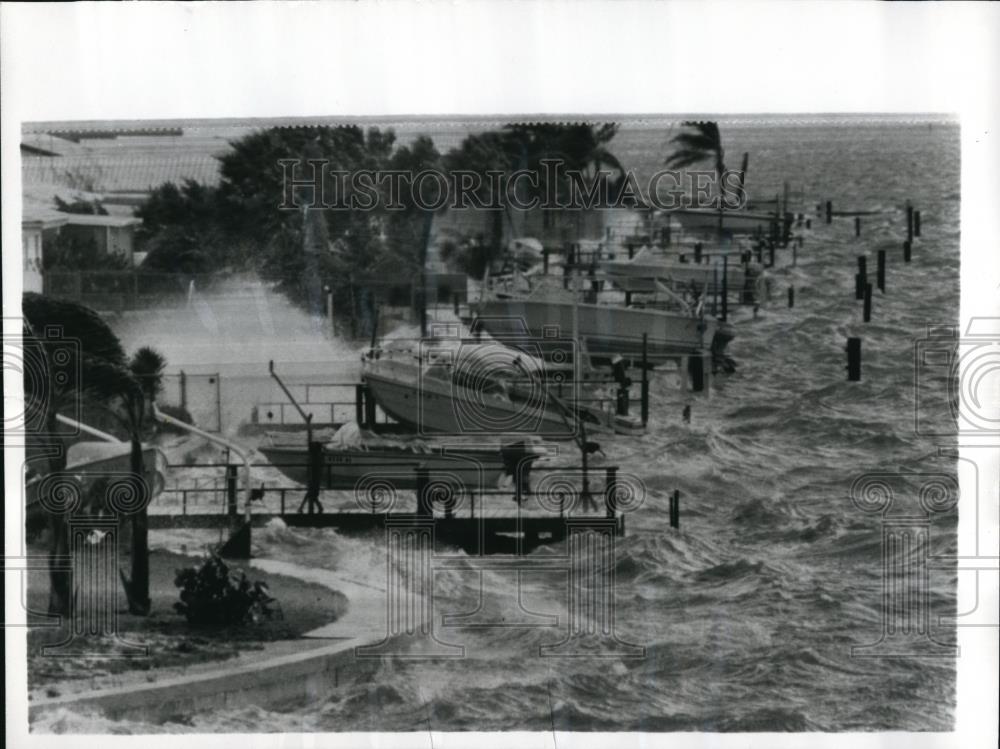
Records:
x=231, y=508
x=369, y=408
x=725, y=287
x=610, y=487
x=423, y=501
x=644, y=388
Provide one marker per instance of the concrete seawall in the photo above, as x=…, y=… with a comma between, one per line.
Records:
x=317, y=665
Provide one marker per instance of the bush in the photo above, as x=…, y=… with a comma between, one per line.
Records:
x=214, y=596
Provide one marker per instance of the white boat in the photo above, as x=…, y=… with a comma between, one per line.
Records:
x=479, y=390
x=547, y=314
x=736, y=222
x=645, y=272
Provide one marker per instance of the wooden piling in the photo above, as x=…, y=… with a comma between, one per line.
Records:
x=545, y=260
x=675, y=509
x=644, y=385
x=854, y=359
x=369, y=409
x=696, y=373
x=829, y=211
x=909, y=222
x=715, y=290
x=916, y=223
x=424, y=507
x=231, y=505
x=725, y=288
x=880, y=271
x=906, y=251
x=791, y=297
x=610, y=487
x=859, y=289
x=857, y=226
x=868, y=302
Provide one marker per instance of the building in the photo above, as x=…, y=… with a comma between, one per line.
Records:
x=36, y=232
x=113, y=235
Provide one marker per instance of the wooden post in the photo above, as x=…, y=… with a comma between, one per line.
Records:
x=369, y=409
x=184, y=390
x=857, y=226
x=644, y=388
x=880, y=271
x=829, y=211
x=868, y=302
x=854, y=359
x=791, y=297
x=610, y=482
x=725, y=287
x=909, y=222
x=715, y=290
x=231, y=508
x=696, y=373
x=675, y=509
x=916, y=223
x=906, y=251
x=424, y=508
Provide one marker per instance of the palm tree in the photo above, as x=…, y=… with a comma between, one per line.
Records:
x=701, y=142
x=98, y=375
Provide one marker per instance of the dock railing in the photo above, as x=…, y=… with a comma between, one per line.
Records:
x=557, y=490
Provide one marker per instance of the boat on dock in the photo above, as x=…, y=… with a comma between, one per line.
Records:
x=646, y=272
x=354, y=456
x=734, y=222
x=478, y=389
x=605, y=330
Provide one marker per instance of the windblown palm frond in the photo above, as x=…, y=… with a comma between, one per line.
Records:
x=701, y=141
x=147, y=366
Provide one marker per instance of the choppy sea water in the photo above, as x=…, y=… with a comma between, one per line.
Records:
x=747, y=614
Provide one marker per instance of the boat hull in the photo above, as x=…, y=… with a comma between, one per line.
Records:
x=642, y=277
x=736, y=222
x=607, y=331
x=431, y=406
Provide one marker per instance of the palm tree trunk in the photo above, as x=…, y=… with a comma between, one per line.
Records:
x=60, y=580
x=137, y=589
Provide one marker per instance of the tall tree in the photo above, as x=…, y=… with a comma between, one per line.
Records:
x=96, y=372
x=701, y=142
